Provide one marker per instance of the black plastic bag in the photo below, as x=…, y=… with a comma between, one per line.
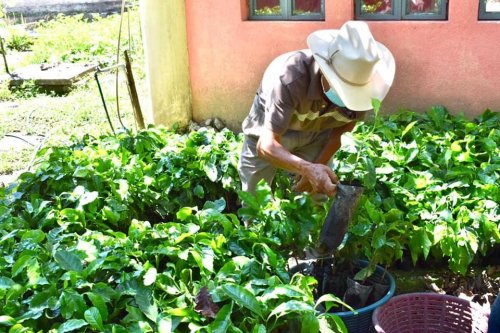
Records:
x=339, y=216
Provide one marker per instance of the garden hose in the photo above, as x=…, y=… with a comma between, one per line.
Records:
x=96, y=76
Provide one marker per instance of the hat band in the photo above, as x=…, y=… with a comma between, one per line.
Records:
x=330, y=62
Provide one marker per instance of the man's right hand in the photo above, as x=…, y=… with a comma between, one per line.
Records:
x=318, y=178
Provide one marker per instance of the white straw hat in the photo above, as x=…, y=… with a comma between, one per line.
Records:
x=356, y=66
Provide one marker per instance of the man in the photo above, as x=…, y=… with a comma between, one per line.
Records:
x=306, y=100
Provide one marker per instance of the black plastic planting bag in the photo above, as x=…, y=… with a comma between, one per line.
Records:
x=339, y=216
x=356, y=294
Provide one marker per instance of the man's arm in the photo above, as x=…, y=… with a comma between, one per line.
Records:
x=332, y=145
x=321, y=177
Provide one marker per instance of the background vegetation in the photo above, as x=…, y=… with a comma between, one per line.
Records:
x=54, y=118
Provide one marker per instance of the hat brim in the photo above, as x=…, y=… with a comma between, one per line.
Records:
x=355, y=97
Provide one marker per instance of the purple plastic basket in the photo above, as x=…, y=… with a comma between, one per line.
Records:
x=430, y=312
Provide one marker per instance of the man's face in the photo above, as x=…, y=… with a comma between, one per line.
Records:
x=331, y=97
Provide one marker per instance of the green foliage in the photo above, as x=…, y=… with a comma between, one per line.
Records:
x=143, y=232
x=137, y=176
x=19, y=40
x=27, y=89
x=78, y=39
x=292, y=220
x=5, y=93
x=116, y=235
x=431, y=187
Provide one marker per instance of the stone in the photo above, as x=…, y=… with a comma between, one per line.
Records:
x=218, y=124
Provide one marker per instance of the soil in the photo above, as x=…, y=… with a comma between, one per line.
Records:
x=480, y=285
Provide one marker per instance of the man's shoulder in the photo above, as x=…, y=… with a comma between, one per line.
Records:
x=295, y=59
x=292, y=66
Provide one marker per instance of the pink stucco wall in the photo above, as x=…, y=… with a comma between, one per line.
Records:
x=453, y=63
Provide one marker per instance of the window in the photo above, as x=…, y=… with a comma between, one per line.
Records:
x=401, y=9
x=300, y=10
x=489, y=9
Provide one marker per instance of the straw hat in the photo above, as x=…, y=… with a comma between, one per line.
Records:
x=356, y=66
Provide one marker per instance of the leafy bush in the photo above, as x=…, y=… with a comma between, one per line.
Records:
x=143, y=232
x=78, y=39
x=19, y=40
x=432, y=187
x=129, y=233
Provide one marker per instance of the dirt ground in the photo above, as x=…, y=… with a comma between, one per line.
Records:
x=481, y=285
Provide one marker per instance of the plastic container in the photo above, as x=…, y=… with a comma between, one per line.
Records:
x=430, y=312
x=360, y=321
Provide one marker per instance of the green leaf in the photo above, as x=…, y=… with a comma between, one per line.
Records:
x=286, y=290
x=309, y=323
x=419, y=243
x=378, y=238
x=93, y=317
x=259, y=328
x=330, y=323
x=81, y=172
x=439, y=233
x=291, y=306
x=7, y=321
x=222, y=320
x=146, y=303
x=364, y=273
x=68, y=261
x=72, y=303
x=36, y=236
x=150, y=276
x=21, y=263
x=243, y=297
x=408, y=128
x=370, y=178
x=210, y=170
x=18, y=328
x=184, y=213
x=331, y=301
x=34, y=274
x=71, y=325
x=269, y=256
x=88, y=197
x=165, y=325
x=6, y=283
x=455, y=146
x=199, y=191
x=180, y=312
x=376, y=106
x=99, y=302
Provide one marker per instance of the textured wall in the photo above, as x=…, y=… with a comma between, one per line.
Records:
x=454, y=62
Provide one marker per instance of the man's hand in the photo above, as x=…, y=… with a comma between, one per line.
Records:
x=318, y=178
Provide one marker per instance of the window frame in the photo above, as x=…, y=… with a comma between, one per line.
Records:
x=426, y=16
x=399, y=13
x=483, y=15
x=377, y=16
x=286, y=13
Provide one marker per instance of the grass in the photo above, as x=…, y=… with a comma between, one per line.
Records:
x=59, y=118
